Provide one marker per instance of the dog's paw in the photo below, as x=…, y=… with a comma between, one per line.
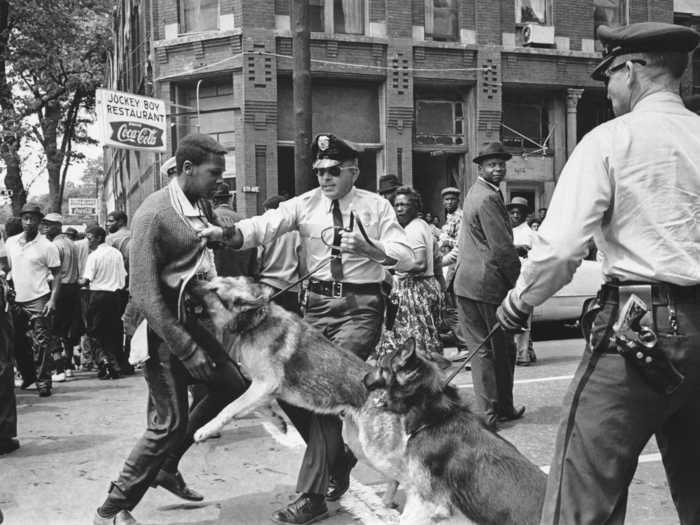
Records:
x=207, y=431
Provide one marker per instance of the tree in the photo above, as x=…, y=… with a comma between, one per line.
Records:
x=52, y=56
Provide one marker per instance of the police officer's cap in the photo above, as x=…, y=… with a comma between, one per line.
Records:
x=329, y=150
x=450, y=190
x=643, y=37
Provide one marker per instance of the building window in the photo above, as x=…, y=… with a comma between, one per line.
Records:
x=199, y=15
x=349, y=17
x=439, y=122
x=317, y=16
x=533, y=12
x=441, y=20
x=609, y=13
x=525, y=126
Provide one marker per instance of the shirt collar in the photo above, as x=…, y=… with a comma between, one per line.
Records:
x=492, y=186
x=188, y=209
x=343, y=202
x=660, y=101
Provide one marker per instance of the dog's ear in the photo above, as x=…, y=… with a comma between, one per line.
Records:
x=407, y=351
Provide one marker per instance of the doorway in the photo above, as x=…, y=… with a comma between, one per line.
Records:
x=433, y=171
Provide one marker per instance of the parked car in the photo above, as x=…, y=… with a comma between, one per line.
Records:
x=566, y=304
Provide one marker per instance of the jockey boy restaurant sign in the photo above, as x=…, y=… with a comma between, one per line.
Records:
x=131, y=121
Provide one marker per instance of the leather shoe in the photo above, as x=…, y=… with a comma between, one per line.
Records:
x=175, y=484
x=339, y=483
x=123, y=517
x=307, y=508
x=517, y=413
x=8, y=445
x=26, y=383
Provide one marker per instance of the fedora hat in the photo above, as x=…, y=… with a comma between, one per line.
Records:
x=388, y=183
x=519, y=202
x=492, y=150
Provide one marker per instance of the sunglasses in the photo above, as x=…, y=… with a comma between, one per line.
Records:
x=333, y=170
x=608, y=72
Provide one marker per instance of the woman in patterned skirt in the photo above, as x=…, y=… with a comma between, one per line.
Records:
x=417, y=293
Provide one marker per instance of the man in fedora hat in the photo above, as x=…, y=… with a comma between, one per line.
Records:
x=388, y=184
x=32, y=259
x=644, y=380
x=344, y=298
x=487, y=267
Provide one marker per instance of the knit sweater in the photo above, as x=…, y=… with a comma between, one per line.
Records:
x=163, y=248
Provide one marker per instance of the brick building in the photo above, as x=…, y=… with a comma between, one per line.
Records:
x=420, y=84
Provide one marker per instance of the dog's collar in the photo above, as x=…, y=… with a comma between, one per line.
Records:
x=419, y=429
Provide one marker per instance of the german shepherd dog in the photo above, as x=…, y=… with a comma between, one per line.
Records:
x=396, y=416
x=453, y=460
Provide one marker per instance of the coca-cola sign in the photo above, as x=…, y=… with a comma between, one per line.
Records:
x=131, y=121
x=137, y=134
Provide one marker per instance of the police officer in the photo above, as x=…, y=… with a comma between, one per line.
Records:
x=632, y=184
x=344, y=298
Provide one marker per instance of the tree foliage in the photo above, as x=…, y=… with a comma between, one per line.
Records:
x=52, y=58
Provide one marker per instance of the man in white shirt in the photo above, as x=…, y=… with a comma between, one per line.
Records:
x=632, y=184
x=105, y=276
x=32, y=259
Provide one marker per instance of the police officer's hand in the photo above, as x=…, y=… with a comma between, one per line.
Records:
x=199, y=365
x=211, y=233
x=512, y=314
x=354, y=242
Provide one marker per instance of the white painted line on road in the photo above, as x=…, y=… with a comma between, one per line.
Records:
x=525, y=381
x=360, y=500
x=645, y=458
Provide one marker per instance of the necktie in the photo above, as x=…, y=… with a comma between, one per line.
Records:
x=336, y=261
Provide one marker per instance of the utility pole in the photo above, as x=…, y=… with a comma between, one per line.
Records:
x=301, y=87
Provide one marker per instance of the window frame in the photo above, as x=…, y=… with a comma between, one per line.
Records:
x=182, y=30
x=329, y=19
x=548, y=14
x=458, y=120
x=429, y=22
x=623, y=13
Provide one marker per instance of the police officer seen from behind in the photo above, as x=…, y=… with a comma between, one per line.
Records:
x=344, y=298
x=633, y=185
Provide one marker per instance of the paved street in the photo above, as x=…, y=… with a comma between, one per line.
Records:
x=74, y=443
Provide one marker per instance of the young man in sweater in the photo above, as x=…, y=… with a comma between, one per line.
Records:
x=165, y=254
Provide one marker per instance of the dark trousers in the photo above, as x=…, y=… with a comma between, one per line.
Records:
x=37, y=362
x=493, y=366
x=171, y=425
x=450, y=318
x=103, y=326
x=610, y=413
x=66, y=325
x=8, y=404
x=354, y=323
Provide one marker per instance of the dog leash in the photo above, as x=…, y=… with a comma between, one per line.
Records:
x=303, y=278
x=470, y=356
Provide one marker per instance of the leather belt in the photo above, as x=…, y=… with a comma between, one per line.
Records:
x=661, y=293
x=341, y=289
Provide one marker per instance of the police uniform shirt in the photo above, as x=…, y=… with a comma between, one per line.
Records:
x=633, y=184
x=311, y=215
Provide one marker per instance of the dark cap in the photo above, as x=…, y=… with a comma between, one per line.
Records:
x=643, y=37
x=31, y=208
x=388, y=183
x=272, y=203
x=492, y=150
x=329, y=150
x=450, y=190
x=223, y=191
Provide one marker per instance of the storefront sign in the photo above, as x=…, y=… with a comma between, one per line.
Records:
x=82, y=206
x=536, y=168
x=131, y=121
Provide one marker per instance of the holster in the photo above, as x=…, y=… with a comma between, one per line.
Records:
x=391, y=305
x=634, y=336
